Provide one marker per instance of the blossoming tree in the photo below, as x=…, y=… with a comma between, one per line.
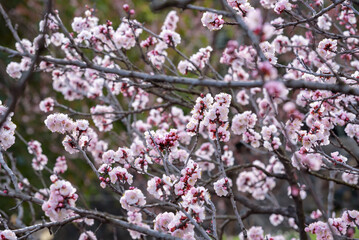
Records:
x=284, y=92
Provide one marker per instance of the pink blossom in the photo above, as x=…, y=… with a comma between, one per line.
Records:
x=170, y=37
x=282, y=5
x=276, y=219
x=88, y=235
x=14, y=70
x=327, y=48
x=221, y=186
x=62, y=194
x=212, y=21
x=7, y=235
x=132, y=199
x=120, y=174
x=242, y=122
x=276, y=90
x=47, y=105
x=324, y=22
x=350, y=178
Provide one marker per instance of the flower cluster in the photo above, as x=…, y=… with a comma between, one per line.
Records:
x=257, y=233
x=242, y=7
x=7, y=130
x=40, y=160
x=60, y=123
x=270, y=137
x=256, y=181
x=159, y=187
x=303, y=158
x=112, y=174
x=162, y=140
x=216, y=118
x=198, y=111
x=167, y=38
x=88, y=235
x=200, y=59
x=136, y=218
x=350, y=178
x=189, y=177
x=62, y=195
x=60, y=165
x=120, y=174
x=339, y=226
x=194, y=201
x=175, y=224
x=103, y=116
x=242, y=122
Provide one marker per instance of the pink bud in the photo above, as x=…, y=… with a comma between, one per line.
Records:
x=126, y=7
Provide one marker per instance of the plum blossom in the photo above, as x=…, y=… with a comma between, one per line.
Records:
x=316, y=214
x=171, y=21
x=255, y=182
x=200, y=59
x=88, y=235
x=62, y=194
x=14, y=70
x=350, y=178
x=132, y=199
x=276, y=219
x=189, y=177
x=302, y=158
x=126, y=33
x=212, y=21
x=120, y=174
x=242, y=97
x=198, y=111
x=243, y=121
x=282, y=5
x=254, y=233
x=320, y=229
x=7, y=235
x=162, y=140
x=276, y=90
x=281, y=44
x=327, y=48
x=324, y=22
x=40, y=160
x=7, y=130
x=216, y=118
x=221, y=186
x=162, y=221
x=59, y=122
x=60, y=165
x=47, y=105
x=102, y=117
x=269, y=51
x=170, y=37
x=158, y=187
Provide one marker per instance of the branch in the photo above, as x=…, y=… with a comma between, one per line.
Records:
x=157, y=5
